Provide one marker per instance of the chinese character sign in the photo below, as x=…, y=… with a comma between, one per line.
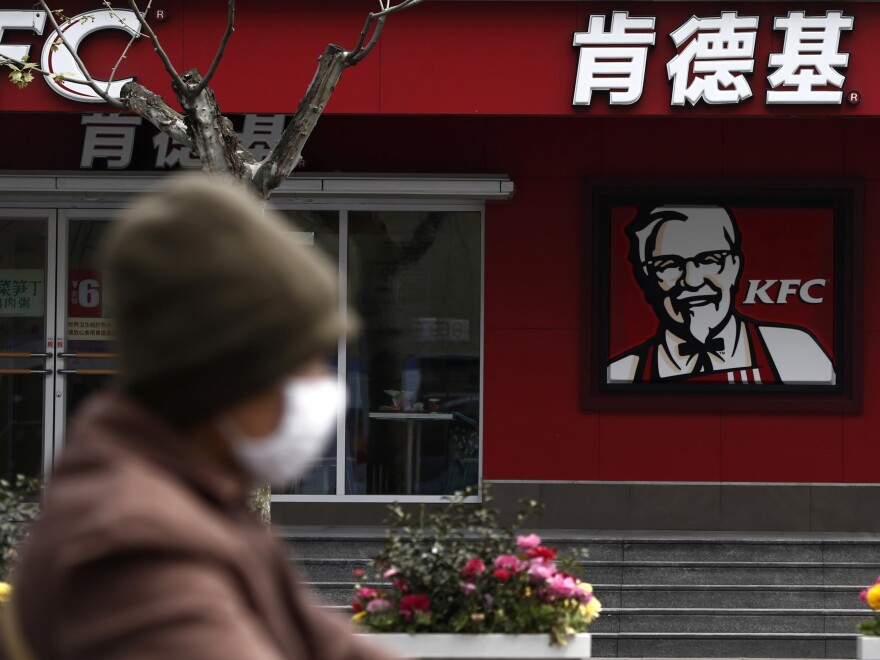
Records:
x=613, y=60
x=810, y=60
x=714, y=59
x=22, y=292
x=711, y=65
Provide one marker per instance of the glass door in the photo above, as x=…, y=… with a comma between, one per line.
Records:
x=27, y=323
x=85, y=354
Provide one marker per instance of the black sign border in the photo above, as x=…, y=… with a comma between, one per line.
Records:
x=845, y=196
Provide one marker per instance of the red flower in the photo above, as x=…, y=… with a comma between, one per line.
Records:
x=400, y=585
x=502, y=574
x=413, y=603
x=359, y=573
x=473, y=568
x=541, y=551
x=356, y=605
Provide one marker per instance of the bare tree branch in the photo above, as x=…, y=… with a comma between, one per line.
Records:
x=286, y=154
x=82, y=67
x=230, y=28
x=155, y=110
x=213, y=135
x=363, y=47
x=128, y=46
x=175, y=77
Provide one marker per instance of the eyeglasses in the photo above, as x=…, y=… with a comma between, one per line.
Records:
x=673, y=266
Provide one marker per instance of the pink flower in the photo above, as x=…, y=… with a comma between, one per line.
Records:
x=563, y=586
x=502, y=574
x=365, y=593
x=467, y=588
x=526, y=542
x=379, y=605
x=473, y=568
x=540, y=570
x=413, y=603
x=509, y=563
x=359, y=573
x=390, y=573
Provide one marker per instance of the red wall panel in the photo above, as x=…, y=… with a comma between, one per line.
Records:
x=531, y=289
x=531, y=420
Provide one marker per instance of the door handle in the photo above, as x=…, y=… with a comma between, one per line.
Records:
x=25, y=355
x=89, y=372
x=97, y=356
x=25, y=371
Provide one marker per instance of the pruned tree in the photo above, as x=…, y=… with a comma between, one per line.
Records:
x=201, y=126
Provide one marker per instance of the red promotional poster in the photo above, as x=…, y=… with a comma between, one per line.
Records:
x=85, y=293
x=718, y=297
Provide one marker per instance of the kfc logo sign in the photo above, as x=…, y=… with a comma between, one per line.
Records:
x=688, y=261
x=715, y=57
x=55, y=58
x=761, y=291
x=704, y=295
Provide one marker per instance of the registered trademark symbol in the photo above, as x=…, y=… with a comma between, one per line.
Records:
x=853, y=97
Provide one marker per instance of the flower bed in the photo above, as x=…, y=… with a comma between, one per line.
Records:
x=459, y=571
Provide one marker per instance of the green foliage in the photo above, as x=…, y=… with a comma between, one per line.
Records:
x=19, y=506
x=871, y=627
x=21, y=73
x=447, y=575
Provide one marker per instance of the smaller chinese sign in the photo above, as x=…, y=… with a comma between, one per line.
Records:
x=431, y=329
x=95, y=329
x=22, y=292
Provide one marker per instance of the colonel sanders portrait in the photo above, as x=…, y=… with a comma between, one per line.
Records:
x=688, y=261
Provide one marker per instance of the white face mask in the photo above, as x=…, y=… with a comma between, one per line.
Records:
x=307, y=419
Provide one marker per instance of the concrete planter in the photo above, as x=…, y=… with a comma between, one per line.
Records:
x=514, y=647
x=868, y=647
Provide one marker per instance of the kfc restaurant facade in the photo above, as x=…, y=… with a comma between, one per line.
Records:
x=617, y=258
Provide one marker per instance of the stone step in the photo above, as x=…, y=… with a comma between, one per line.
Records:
x=721, y=645
x=699, y=620
x=366, y=541
x=690, y=596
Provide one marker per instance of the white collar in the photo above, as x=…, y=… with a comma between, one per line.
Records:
x=734, y=355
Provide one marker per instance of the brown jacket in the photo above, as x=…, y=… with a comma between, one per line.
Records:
x=146, y=549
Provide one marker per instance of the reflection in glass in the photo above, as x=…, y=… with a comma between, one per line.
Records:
x=414, y=372
x=22, y=332
x=318, y=230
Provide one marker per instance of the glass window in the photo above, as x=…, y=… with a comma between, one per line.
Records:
x=318, y=230
x=23, y=306
x=413, y=374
